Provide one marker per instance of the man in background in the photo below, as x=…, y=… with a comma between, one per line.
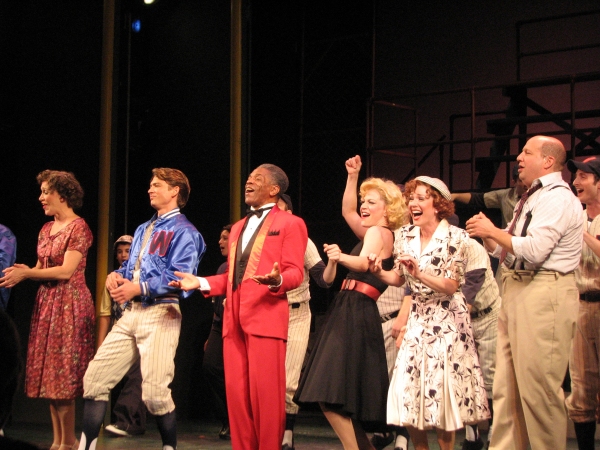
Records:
x=584, y=364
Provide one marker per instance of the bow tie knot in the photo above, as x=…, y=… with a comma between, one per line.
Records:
x=258, y=212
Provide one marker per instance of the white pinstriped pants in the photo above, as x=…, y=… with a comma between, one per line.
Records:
x=391, y=351
x=485, y=333
x=584, y=365
x=149, y=333
x=298, y=333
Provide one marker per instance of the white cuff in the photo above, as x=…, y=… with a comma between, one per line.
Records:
x=274, y=287
x=204, y=285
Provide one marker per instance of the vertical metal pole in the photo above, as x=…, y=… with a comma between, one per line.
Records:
x=106, y=108
x=235, y=131
x=127, y=129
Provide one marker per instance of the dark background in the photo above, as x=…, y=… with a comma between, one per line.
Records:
x=308, y=75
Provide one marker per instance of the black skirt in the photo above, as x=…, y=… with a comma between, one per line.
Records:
x=347, y=368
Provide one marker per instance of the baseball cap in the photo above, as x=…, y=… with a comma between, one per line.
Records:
x=125, y=239
x=588, y=165
x=437, y=184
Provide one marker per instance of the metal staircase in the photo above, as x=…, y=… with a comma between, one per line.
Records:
x=483, y=142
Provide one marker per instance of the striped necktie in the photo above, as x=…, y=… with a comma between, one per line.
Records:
x=517, y=214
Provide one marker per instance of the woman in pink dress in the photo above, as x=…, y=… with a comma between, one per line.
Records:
x=61, y=341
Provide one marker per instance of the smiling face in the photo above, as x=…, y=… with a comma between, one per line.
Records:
x=163, y=198
x=586, y=186
x=224, y=242
x=420, y=206
x=50, y=200
x=259, y=188
x=373, y=209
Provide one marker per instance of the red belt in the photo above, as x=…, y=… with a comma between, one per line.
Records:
x=365, y=288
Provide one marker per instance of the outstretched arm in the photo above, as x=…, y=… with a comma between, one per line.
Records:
x=463, y=197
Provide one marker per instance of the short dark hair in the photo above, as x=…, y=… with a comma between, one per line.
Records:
x=174, y=178
x=278, y=177
x=227, y=228
x=65, y=184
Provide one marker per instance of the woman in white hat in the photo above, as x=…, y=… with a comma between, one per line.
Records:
x=437, y=382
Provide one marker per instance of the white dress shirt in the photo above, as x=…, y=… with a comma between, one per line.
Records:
x=555, y=233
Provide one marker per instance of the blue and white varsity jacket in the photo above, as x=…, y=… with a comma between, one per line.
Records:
x=175, y=245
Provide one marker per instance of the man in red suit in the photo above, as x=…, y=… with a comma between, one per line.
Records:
x=266, y=259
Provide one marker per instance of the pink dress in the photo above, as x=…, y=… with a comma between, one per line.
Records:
x=61, y=340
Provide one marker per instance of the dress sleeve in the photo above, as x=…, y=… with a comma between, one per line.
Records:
x=81, y=238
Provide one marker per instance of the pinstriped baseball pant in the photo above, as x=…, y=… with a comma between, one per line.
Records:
x=485, y=333
x=149, y=333
x=298, y=333
x=584, y=365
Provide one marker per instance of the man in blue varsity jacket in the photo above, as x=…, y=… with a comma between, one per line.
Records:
x=149, y=328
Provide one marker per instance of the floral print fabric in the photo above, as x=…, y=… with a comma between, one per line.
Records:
x=61, y=340
x=437, y=381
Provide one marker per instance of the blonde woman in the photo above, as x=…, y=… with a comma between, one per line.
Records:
x=347, y=370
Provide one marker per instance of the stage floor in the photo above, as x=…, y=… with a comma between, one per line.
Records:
x=312, y=432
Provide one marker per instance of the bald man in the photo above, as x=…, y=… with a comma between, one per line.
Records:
x=539, y=252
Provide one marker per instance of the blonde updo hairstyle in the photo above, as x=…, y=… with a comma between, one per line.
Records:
x=395, y=205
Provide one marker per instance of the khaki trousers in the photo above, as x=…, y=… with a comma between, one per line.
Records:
x=536, y=325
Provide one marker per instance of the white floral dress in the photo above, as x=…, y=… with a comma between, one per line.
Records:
x=437, y=381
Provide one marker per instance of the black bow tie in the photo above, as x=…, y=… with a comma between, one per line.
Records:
x=258, y=212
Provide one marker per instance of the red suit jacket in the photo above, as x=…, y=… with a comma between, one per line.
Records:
x=263, y=312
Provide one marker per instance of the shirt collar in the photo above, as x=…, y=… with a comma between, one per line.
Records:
x=166, y=216
x=266, y=205
x=548, y=179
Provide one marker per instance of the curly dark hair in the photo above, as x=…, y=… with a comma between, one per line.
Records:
x=65, y=184
x=444, y=207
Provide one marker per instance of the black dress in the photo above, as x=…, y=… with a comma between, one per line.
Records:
x=347, y=368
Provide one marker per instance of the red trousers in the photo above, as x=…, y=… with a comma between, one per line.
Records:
x=255, y=384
